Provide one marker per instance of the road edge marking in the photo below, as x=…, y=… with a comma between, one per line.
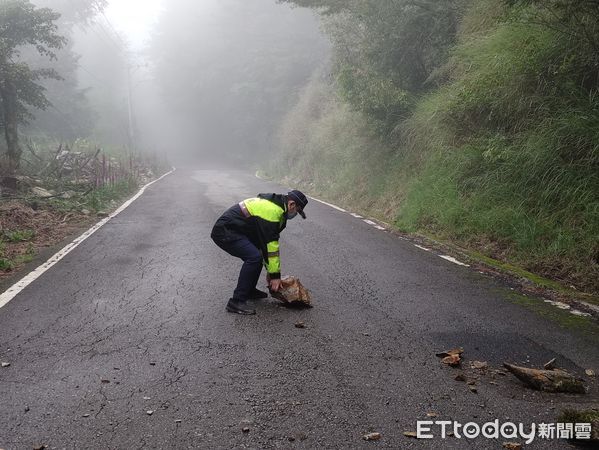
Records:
x=453, y=260
x=328, y=204
x=16, y=288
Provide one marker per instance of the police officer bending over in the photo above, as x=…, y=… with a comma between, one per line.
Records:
x=250, y=231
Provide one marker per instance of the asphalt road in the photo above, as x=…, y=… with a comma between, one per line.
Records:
x=134, y=321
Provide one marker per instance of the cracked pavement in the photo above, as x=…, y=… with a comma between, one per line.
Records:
x=133, y=321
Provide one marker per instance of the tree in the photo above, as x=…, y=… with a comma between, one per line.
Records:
x=71, y=115
x=575, y=21
x=387, y=52
x=21, y=25
x=75, y=11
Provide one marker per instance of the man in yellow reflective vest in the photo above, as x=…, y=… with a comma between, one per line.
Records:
x=250, y=231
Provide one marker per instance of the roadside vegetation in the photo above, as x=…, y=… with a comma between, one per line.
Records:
x=65, y=157
x=476, y=122
x=58, y=192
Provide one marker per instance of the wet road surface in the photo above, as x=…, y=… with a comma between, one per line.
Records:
x=133, y=322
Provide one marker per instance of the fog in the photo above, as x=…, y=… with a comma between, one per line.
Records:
x=196, y=79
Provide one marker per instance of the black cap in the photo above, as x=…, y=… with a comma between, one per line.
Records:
x=300, y=201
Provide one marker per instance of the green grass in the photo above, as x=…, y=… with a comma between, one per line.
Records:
x=584, y=326
x=18, y=235
x=503, y=159
x=7, y=264
x=100, y=199
x=520, y=165
x=583, y=416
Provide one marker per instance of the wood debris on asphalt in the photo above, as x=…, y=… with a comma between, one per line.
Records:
x=549, y=365
x=293, y=293
x=555, y=380
x=479, y=365
x=512, y=445
x=451, y=357
x=372, y=436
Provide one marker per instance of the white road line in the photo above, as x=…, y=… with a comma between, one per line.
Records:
x=357, y=216
x=422, y=248
x=580, y=313
x=566, y=307
x=453, y=260
x=590, y=306
x=14, y=290
x=328, y=204
x=560, y=305
x=375, y=225
x=313, y=198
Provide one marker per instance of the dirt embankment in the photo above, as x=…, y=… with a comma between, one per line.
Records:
x=26, y=230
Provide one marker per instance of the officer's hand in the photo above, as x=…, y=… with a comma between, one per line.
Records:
x=275, y=285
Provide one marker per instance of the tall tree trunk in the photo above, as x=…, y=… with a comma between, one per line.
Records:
x=8, y=97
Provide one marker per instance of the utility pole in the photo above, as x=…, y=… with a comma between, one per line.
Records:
x=130, y=111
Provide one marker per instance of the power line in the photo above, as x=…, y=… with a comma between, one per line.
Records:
x=113, y=29
x=118, y=45
x=104, y=82
x=109, y=43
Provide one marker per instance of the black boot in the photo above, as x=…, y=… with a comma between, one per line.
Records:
x=257, y=294
x=239, y=307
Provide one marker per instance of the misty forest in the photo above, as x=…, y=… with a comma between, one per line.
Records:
x=474, y=122
x=299, y=224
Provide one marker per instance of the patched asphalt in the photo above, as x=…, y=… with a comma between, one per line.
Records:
x=133, y=321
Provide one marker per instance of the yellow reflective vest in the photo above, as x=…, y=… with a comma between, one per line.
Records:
x=261, y=219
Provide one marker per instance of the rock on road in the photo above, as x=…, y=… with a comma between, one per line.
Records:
x=126, y=344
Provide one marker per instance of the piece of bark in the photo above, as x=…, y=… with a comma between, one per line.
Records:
x=452, y=360
x=512, y=445
x=293, y=292
x=372, y=436
x=451, y=357
x=555, y=380
x=455, y=351
x=549, y=365
x=480, y=365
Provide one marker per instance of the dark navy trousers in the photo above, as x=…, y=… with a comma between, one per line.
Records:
x=242, y=248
